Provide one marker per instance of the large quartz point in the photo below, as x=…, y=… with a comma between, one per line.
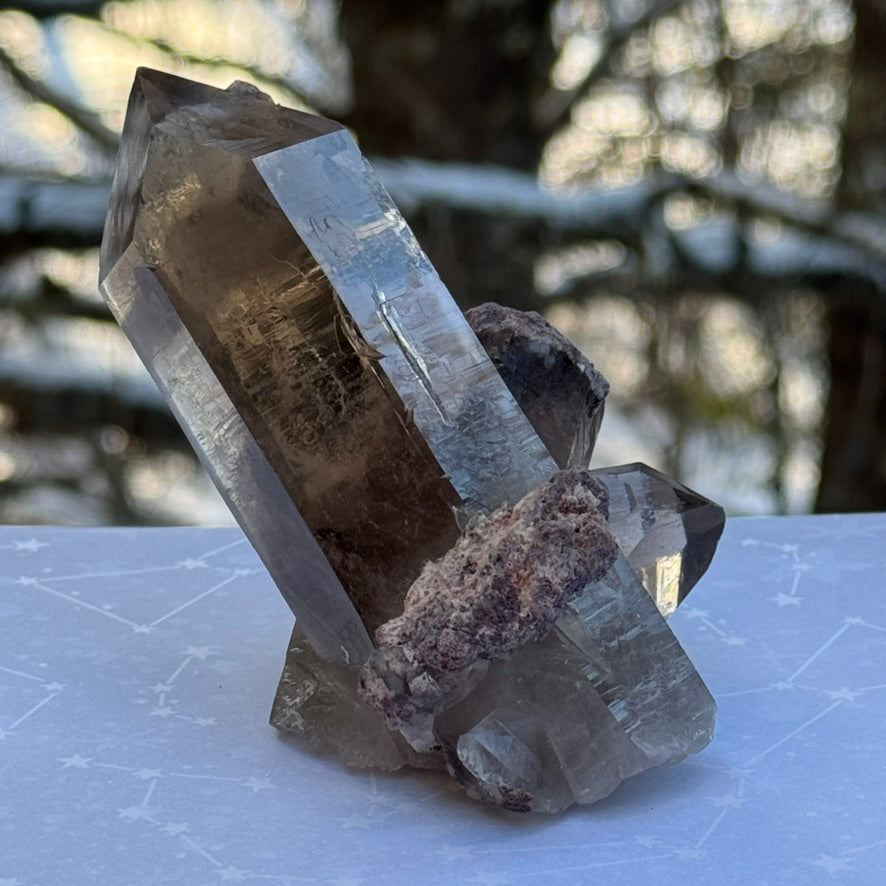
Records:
x=460, y=602
x=325, y=376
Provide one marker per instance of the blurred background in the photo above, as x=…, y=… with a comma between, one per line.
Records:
x=692, y=191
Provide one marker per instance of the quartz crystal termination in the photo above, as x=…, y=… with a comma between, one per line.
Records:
x=397, y=481
x=561, y=393
x=667, y=532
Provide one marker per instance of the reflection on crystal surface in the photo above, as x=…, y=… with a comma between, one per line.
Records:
x=490, y=751
x=668, y=532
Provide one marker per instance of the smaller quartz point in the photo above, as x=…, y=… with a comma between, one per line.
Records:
x=668, y=532
x=556, y=386
x=525, y=750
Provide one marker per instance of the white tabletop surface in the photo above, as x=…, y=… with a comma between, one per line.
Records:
x=137, y=670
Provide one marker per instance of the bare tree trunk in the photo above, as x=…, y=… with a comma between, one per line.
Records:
x=853, y=465
x=456, y=82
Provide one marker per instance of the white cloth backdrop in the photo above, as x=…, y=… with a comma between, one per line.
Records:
x=137, y=669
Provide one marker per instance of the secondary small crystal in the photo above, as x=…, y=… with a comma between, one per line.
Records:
x=456, y=671
x=560, y=391
x=503, y=584
x=668, y=532
x=460, y=603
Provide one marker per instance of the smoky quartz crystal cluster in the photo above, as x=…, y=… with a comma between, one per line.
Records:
x=468, y=595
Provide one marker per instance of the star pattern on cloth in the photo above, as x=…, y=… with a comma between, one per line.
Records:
x=32, y=545
x=833, y=864
x=77, y=761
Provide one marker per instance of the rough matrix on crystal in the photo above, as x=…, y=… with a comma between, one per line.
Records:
x=505, y=582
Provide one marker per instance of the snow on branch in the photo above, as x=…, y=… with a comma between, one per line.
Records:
x=818, y=239
x=496, y=190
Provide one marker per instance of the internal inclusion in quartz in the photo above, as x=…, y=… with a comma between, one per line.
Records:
x=468, y=595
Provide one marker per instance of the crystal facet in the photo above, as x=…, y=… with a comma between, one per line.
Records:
x=668, y=532
x=460, y=602
x=556, y=386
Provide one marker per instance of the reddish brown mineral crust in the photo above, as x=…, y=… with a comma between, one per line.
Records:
x=503, y=584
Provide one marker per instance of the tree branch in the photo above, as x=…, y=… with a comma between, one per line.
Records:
x=43, y=9
x=555, y=107
x=259, y=79
x=87, y=121
x=63, y=212
x=819, y=241
x=490, y=189
x=496, y=190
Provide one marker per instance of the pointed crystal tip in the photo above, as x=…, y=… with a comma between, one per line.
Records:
x=558, y=388
x=668, y=532
x=167, y=113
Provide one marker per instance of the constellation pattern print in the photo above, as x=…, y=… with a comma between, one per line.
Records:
x=137, y=670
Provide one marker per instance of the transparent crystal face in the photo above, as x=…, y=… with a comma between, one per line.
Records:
x=668, y=532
